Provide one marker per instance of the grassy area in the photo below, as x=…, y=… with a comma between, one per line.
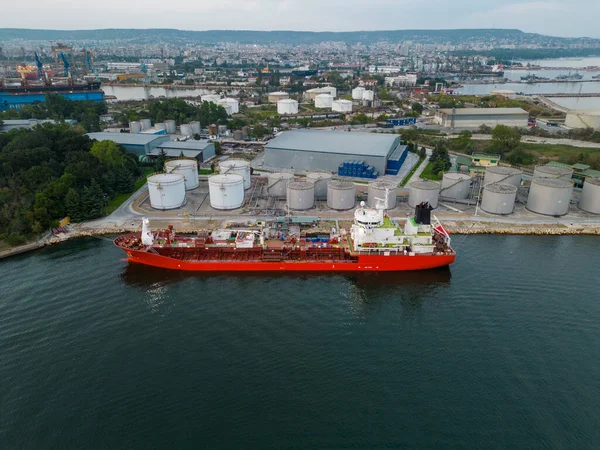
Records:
x=428, y=173
x=205, y=172
x=553, y=152
x=119, y=199
x=411, y=173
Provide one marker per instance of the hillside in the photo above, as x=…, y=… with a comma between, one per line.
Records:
x=291, y=37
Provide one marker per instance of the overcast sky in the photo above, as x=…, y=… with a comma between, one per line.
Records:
x=557, y=18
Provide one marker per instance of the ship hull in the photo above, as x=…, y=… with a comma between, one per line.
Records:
x=392, y=263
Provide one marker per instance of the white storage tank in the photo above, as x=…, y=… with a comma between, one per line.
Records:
x=166, y=190
x=503, y=175
x=274, y=97
x=226, y=191
x=231, y=105
x=238, y=135
x=146, y=124
x=331, y=90
x=171, y=126
x=550, y=196
x=287, y=106
x=499, y=198
x=195, y=127
x=186, y=167
x=343, y=106
x=239, y=166
x=160, y=126
x=211, y=98
x=341, y=195
x=300, y=195
x=277, y=183
x=377, y=189
x=590, y=196
x=552, y=172
x=186, y=130
x=135, y=127
x=424, y=191
x=357, y=93
x=323, y=101
x=456, y=186
x=368, y=96
x=320, y=179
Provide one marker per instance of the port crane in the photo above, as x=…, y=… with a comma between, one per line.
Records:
x=66, y=64
x=40, y=67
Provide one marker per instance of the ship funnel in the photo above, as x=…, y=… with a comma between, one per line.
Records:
x=423, y=213
x=146, y=232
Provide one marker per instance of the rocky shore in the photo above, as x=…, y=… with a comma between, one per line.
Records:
x=465, y=227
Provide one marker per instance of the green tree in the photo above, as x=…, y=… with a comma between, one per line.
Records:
x=519, y=157
x=218, y=148
x=422, y=153
x=505, y=139
x=73, y=204
x=124, y=181
x=417, y=108
x=159, y=163
x=109, y=153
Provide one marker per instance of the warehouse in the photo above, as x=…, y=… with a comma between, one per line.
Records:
x=475, y=117
x=327, y=150
x=202, y=150
x=139, y=144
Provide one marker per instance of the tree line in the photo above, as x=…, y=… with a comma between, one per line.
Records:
x=86, y=113
x=53, y=171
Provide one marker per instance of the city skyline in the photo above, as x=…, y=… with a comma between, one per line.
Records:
x=546, y=18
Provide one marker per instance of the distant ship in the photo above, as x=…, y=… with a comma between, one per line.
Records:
x=569, y=77
x=596, y=77
x=376, y=243
x=303, y=71
x=17, y=94
x=533, y=78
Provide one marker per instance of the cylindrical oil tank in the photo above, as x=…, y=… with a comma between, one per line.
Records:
x=186, y=167
x=341, y=195
x=186, y=130
x=300, y=195
x=239, y=166
x=167, y=190
x=245, y=131
x=377, y=189
x=550, y=196
x=357, y=93
x=323, y=101
x=238, y=135
x=424, y=191
x=277, y=185
x=171, y=126
x=195, y=127
x=212, y=129
x=552, y=172
x=590, y=196
x=146, y=124
x=503, y=175
x=135, y=127
x=160, y=126
x=320, y=179
x=455, y=185
x=499, y=198
x=226, y=191
x=287, y=106
x=368, y=96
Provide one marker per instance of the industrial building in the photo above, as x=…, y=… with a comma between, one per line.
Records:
x=327, y=150
x=10, y=124
x=138, y=144
x=475, y=117
x=201, y=150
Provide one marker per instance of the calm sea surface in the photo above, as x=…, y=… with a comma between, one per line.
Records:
x=500, y=351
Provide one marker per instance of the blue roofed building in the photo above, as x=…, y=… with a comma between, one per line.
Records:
x=328, y=150
x=138, y=144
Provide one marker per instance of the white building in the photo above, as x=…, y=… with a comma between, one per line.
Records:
x=384, y=70
x=475, y=117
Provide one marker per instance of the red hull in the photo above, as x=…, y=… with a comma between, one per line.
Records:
x=392, y=263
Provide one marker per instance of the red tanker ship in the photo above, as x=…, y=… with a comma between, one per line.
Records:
x=375, y=244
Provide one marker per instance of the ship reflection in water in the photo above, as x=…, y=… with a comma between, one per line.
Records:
x=362, y=290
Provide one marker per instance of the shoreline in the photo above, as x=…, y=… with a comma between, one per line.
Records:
x=454, y=227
